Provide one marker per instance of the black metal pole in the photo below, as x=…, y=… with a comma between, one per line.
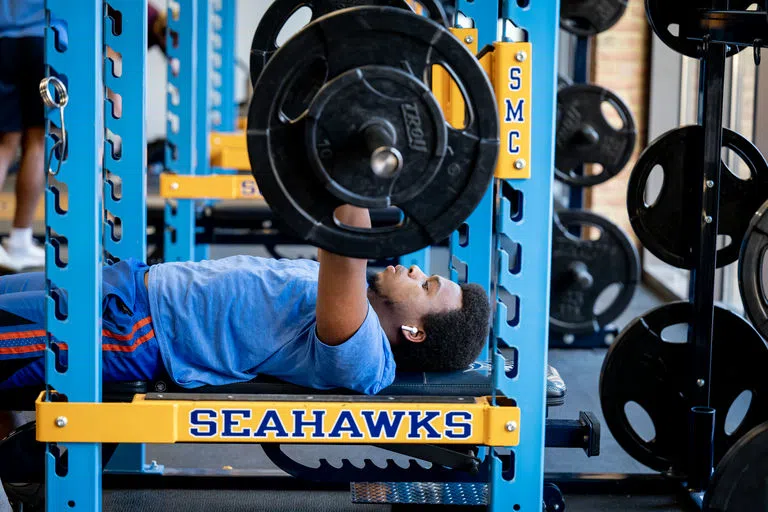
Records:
x=702, y=425
x=703, y=274
x=580, y=76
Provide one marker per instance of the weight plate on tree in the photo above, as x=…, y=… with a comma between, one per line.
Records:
x=666, y=17
x=668, y=225
x=583, y=267
x=373, y=134
x=583, y=135
x=739, y=480
x=590, y=17
x=753, y=278
x=264, y=42
x=641, y=368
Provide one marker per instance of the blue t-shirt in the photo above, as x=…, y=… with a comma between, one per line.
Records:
x=26, y=18
x=224, y=321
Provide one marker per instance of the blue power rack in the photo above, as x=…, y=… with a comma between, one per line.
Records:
x=525, y=218
x=182, y=138
x=125, y=173
x=75, y=223
x=523, y=215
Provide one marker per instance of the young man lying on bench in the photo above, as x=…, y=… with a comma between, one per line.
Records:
x=319, y=324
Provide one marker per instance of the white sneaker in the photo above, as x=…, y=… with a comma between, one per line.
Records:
x=7, y=265
x=25, y=257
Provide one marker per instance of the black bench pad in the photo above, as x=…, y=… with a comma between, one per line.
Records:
x=475, y=381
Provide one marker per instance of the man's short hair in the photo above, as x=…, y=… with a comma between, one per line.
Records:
x=454, y=339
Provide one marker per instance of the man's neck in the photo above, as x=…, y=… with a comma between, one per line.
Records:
x=386, y=320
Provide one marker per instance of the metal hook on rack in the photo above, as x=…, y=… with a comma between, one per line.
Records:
x=57, y=101
x=756, y=49
x=704, y=48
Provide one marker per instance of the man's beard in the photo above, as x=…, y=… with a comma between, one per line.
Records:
x=373, y=287
x=373, y=284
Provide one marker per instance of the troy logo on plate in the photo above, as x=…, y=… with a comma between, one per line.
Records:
x=413, y=127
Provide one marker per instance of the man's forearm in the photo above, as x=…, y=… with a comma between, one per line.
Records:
x=342, y=292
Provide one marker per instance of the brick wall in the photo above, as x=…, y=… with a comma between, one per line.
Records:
x=620, y=63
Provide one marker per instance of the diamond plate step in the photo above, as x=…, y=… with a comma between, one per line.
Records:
x=420, y=493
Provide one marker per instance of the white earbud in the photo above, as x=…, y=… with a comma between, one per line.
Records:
x=412, y=330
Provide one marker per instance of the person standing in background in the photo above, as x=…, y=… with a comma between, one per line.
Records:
x=22, y=116
x=22, y=121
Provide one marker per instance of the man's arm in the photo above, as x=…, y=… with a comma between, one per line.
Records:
x=342, y=301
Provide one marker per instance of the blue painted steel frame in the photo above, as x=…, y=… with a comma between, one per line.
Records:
x=474, y=252
x=79, y=274
x=181, y=145
x=204, y=68
x=223, y=108
x=531, y=228
x=130, y=206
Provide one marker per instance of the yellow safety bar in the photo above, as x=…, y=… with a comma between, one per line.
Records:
x=229, y=151
x=177, y=418
x=214, y=186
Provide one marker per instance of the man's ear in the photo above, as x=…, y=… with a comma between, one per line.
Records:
x=413, y=334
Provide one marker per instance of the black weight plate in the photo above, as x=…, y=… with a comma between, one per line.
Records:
x=382, y=96
x=590, y=17
x=666, y=16
x=583, y=135
x=752, y=277
x=582, y=268
x=641, y=367
x=740, y=480
x=668, y=228
x=359, y=40
x=563, y=82
x=264, y=42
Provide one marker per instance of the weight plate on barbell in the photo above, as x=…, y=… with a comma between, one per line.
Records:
x=583, y=267
x=648, y=367
x=666, y=18
x=583, y=134
x=590, y=17
x=443, y=171
x=265, y=43
x=753, y=278
x=668, y=225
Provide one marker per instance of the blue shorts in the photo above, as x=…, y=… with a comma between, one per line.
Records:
x=22, y=66
x=129, y=349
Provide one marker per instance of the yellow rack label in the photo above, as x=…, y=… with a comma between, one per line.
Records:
x=473, y=421
x=511, y=78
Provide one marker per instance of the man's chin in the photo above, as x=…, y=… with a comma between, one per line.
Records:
x=373, y=283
